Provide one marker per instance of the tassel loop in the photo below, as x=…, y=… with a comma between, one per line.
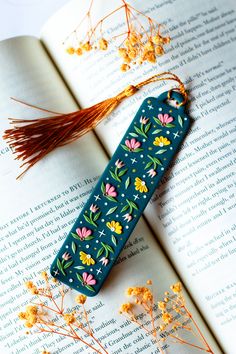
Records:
x=34, y=139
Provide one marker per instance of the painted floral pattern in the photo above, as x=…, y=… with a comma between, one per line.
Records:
x=120, y=197
x=140, y=185
x=115, y=226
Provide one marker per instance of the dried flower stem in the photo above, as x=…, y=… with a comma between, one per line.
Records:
x=168, y=322
x=70, y=325
x=140, y=44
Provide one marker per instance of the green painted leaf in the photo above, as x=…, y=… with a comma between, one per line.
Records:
x=109, y=248
x=180, y=120
x=79, y=277
x=149, y=164
x=100, y=252
x=156, y=131
x=127, y=183
x=73, y=247
x=103, y=187
x=134, y=135
x=161, y=152
x=67, y=265
x=170, y=125
x=134, y=205
x=147, y=127
x=122, y=172
x=124, y=208
x=139, y=131
x=138, y=150
x=97, y=215
x=89, y=220
x=90, y=288
x=114, y=176
x=114, y=240
x=125, y=147
x=112, y=199
x=89, y=238
x=79, y=267
x=157, y=161
x=59, y=266
x=75, y=236
x=112, y=210
x=157, y=120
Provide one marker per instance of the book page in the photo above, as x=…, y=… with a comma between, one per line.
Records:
x=38, y=211
x=192, y=212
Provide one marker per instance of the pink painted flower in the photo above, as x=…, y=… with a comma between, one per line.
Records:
x=119, y=163
x=66, y=256
x=132, y=144
x=127, y=217
x=83, y=232
x=110, y=190
x=143, y=120
x=151, y=173
x=165, y=118
x=88, y=279
x=104, y=261
x=94, y=208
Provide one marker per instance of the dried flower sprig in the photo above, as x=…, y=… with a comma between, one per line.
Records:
x=142, y=41
x=167, y=319
x=47, y=313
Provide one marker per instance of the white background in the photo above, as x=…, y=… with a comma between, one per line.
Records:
x=25, y=17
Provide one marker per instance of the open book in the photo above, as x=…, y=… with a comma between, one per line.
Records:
x=189, y=226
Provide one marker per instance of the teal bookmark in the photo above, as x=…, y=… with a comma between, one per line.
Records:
x=121, y=194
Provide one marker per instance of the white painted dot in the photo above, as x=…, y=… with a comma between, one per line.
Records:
x=185, y=118
x=91, y=269
x=71, y=280
x=144, y=140
x=162, y=168
x=97, y=241
x=126, y=226
x=167, y=132
x=126, y=155
x=67, y=246
x=105, y=203
x=171, y=148
x=117, y=215
x=160, y=109
x=80, y=222
x=144, y=196
x=144, y=176
x=87, y=246
x=122, y=195
x=141, y=156
x=102, y=220
x=143, y=110
x=107, y=178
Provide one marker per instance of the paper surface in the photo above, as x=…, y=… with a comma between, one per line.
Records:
x=193, y=211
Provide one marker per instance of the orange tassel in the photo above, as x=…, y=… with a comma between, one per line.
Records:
x=34, y=140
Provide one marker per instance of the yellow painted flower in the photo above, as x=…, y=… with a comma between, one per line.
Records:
x=161, y=141
x=140, y=185
x=86, y=258
x=115, y=226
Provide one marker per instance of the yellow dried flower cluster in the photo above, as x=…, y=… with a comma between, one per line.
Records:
x=80, y=299
x=69, y=318
x=137, y=51
x=30, y=316
x=48, y=314
x=142, y=42
x=32, y=287
x=126, y=307
x=170, y=315
x=142, y=294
